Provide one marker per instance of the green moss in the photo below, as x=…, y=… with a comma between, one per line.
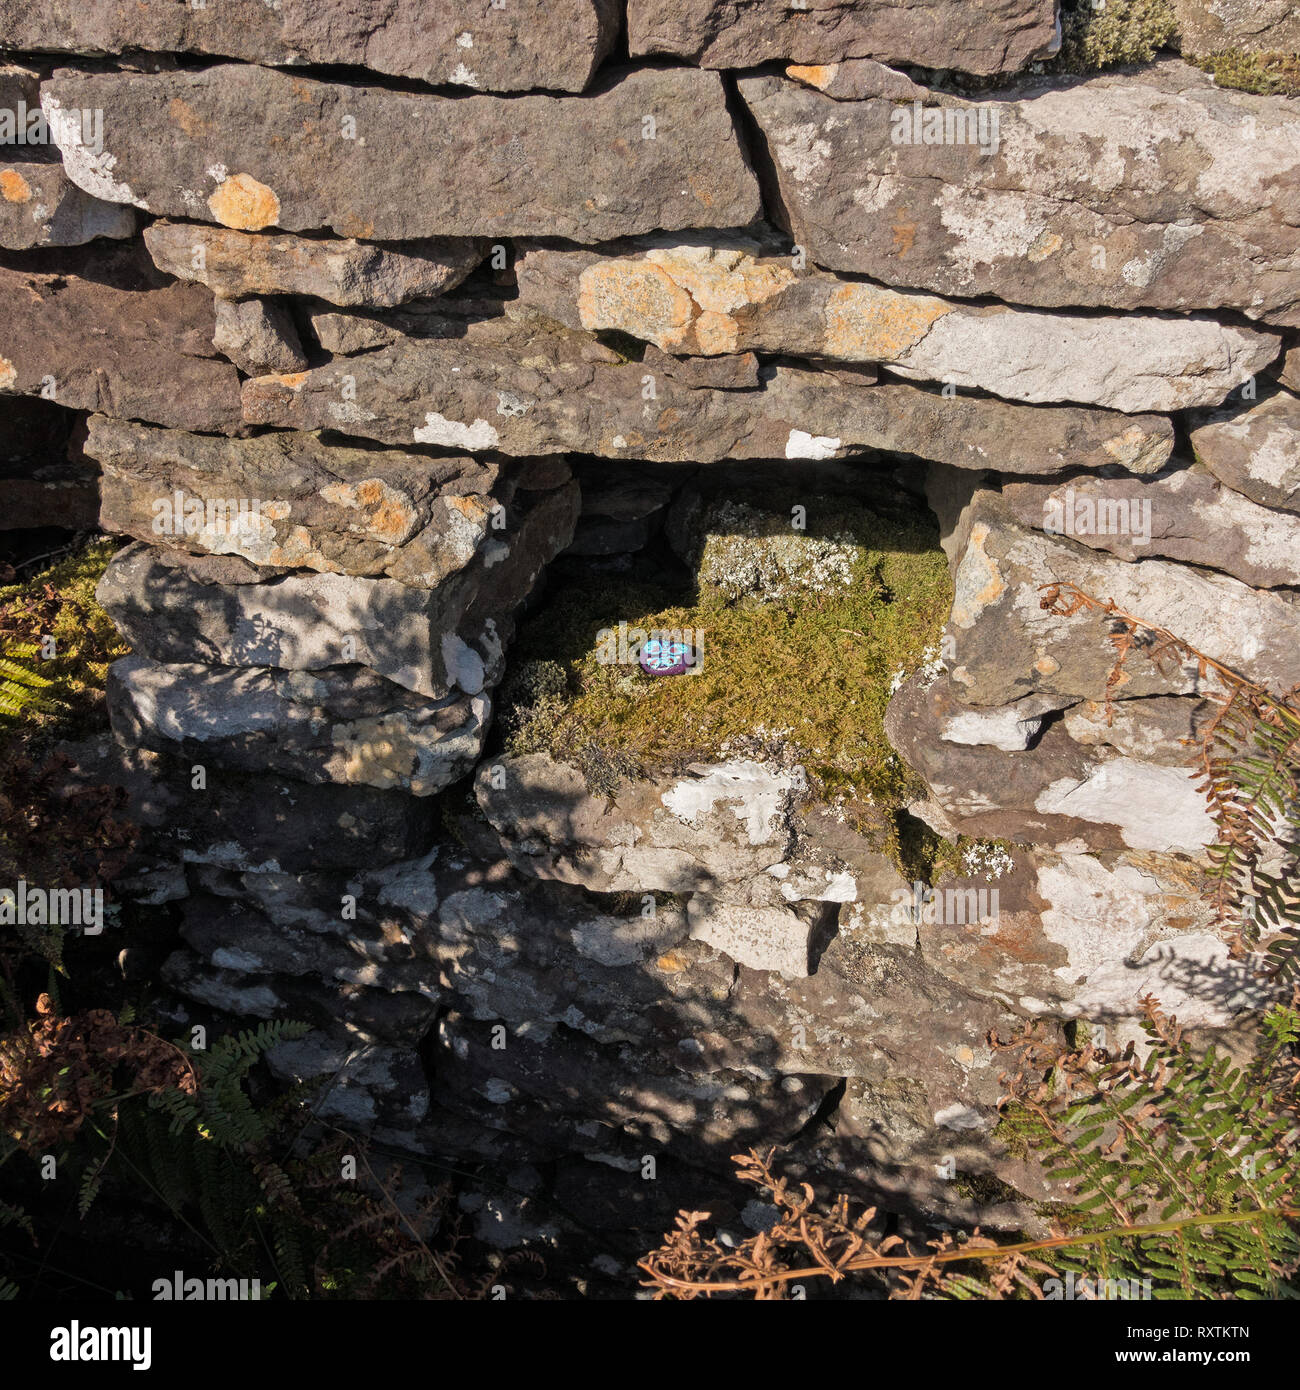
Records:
x=60, y=603
x=1119, y=32
x=806, y=674
x=1265, y=74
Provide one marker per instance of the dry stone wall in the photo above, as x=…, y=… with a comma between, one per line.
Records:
x=366, y=315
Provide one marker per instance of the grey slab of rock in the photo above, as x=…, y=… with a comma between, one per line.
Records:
x=722, y=823
x=857, y=78
x=1161, y=728
x=250, y=148
x=1155, y=190
x=258, y=336
x=730, y=296
x=328, y=507
x=1007, y=646
x=763, y=938
x=1080, y=935
x=1258, y=26
x=257, y=822
x=521, y=389
x=349, y=727
x=1255, y=450
x=1184, y=514
x=429, y=641
x=137, y=351
x=979, y=36
x=1058, y=794
x=41, y=206
x=237, y=264
x=514, y=47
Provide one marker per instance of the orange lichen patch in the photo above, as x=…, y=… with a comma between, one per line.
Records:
x=13, y=187
x=672, y=963
x=8, y=374
x=1047, y=666
x=701, y=190
x=635, y=298
x=820, y=76
x=1045, y=244
x=245, y=204
x=716, y=334
x=184, y=115
x=391, y=521
x=370, y=492
x=293, y=380
x=866, y=324
x=355, y=227
x=979, y=581
x=904, y=233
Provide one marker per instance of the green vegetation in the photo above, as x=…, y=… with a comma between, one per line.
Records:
x=802, y=634
x=1265, y=74
x=1120, y=32
x=59, y=696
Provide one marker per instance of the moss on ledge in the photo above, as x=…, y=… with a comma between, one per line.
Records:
x=60, y=602
x=1120, y=32
x=797, y=662
x=1264, y=74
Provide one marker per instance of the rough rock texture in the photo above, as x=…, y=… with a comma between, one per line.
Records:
x=1008, y=647
x=514, y=47
x=334, y=508
x=538, y=391
x=258, y=336
x=713, y=299
x=41, y=206
x=1156, y=190
x=521, y=366
x=1184, y=514
x=249, y=148
x=237, y=264
x=1258, y=26
x=116, y=343
x=344, y=727
x=427, y=640
x=1255, y=450
x=980, y=36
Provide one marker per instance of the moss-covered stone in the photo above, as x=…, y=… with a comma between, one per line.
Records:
x=800, y=634
x=1113, y=34
x=1265, y=74
x=60, y=603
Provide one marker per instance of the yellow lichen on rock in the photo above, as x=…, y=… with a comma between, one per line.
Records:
x=8, y=374
x=867, y=324
x=13, y=187
x=245, y=204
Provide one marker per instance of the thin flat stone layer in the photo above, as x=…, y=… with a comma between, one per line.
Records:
x=527, y=391
x=980, y=36
x=729, y=297
x=1155, y=190
x=250, y=148
x=1255, y=449
x=235, y=264
x=505, y=48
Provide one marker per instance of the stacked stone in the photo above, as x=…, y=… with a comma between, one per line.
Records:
x=388, y=314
